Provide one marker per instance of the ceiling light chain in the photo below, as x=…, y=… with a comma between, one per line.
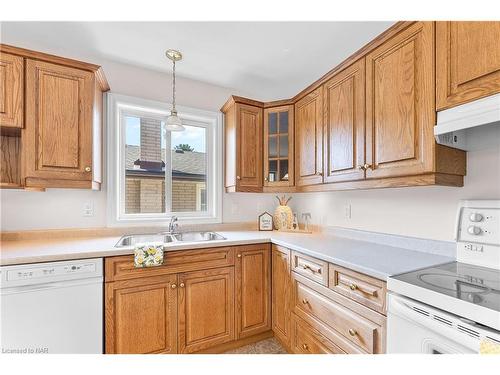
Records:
x=174, y=123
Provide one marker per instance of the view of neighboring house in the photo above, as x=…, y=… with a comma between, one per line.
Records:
x=145, y=175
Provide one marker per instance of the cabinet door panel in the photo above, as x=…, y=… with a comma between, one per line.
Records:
x=11, y=90
x=400, y=113
x=253, y=290
x=279, y=146
x=141, y=316
x=206, y=309
x=249, y=140
x=281, y=294
x=309, y=139
x=344, y=124
x=468, y=61
x=58, y=122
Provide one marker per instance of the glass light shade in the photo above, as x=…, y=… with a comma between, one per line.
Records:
x=174, y=123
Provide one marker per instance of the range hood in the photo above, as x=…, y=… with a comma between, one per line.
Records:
x=462, y=126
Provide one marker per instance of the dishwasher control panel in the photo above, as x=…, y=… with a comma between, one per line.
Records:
x=47, y=271
x=43, y=273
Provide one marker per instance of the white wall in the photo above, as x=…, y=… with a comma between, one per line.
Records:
x=62, y=208
x=426, y=212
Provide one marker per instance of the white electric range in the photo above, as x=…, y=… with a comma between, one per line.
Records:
x=453, y=307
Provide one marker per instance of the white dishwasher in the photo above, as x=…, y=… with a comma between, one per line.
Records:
x=52, y=307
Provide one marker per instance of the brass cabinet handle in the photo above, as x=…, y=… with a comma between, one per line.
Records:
x=319, y=174
x=88, y=169
x=305, y=302
x=173, y=286
x=238, y=177
x=353, y=286
x=182, y=285
x=362, y=167
x=367, y=166
x=305, y=346
x=308, y=267
x=352, y=332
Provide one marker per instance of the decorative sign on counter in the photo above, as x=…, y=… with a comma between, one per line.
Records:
x=266, y=221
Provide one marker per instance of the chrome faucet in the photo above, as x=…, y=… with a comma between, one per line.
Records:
x=173, y=226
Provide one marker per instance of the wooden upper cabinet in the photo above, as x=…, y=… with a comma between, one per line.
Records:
x=344, y=124
x=206, y=309
x=59, y=119
x=253, y=290
x=400, y=110
x=309, y=139
x=281, y=294
x=11, y=90
x=467, y=61
x=278, y=146
x=249, y=157
x=59, y=103
x=243, y=151
x=141, y=316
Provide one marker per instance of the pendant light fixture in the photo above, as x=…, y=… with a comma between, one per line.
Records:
x=174, y=123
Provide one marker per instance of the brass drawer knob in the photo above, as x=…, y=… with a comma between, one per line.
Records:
x=239, y=255
x=305, y=346
x=88, y=169
x=266, y=179
x=319, y=174
x=182, y=285
x=367, y=166
x=238, y=177
x=352, y=332
x=353, y=286
x=173, y=286
x=305, y=302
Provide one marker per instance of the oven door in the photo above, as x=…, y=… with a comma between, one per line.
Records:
x=413, y=327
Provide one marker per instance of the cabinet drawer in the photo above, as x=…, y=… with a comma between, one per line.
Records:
x=122, y=267
x=351, y=325
x=358, y=287
x=307, y=340
x=312, y=268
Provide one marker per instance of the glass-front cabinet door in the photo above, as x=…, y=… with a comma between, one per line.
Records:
x=278, y=146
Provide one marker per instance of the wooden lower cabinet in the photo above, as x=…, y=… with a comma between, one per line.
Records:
x=307, y=340
x=181, y=308
x=197, y=301
x=281, y=293
x=253, y=284
x=141, y=315
x=206, y=309
x=351, y=326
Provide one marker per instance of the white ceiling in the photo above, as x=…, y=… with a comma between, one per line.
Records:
x=268, y=60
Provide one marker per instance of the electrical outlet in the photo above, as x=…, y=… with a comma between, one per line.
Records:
x=88, y=209
x=347, y=211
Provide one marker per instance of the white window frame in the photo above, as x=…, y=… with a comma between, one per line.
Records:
x=120, y=105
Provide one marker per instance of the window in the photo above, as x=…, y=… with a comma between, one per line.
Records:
x=155, y=173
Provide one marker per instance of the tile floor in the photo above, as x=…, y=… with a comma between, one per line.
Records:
x=268, y=346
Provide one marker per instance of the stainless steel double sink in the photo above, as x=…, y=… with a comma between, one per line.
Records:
x=133, y=239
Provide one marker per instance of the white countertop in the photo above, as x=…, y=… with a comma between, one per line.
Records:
x=377, y=260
